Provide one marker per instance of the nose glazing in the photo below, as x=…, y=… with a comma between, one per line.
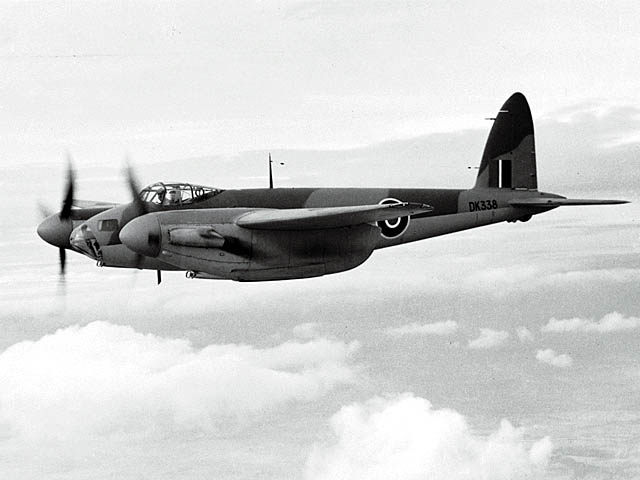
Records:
x=83, y=240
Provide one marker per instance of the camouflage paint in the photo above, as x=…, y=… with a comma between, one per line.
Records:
x=248, y=254
x=511, y=138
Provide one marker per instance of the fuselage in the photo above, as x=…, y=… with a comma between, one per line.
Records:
x=453, y=210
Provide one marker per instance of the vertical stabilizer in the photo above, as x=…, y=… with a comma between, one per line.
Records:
x=509, y=158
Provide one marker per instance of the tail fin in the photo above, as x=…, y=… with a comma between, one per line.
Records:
x=509, y=158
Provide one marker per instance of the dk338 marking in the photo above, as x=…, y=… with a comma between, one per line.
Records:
x=479, y=205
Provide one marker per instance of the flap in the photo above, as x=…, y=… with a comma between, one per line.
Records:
x=327, y=217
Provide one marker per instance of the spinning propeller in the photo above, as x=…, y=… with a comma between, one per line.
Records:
x=141, y=209
x=65, y=213
x=56, y=228
x=134, y=189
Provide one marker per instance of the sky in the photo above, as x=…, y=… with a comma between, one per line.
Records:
x=504, y=352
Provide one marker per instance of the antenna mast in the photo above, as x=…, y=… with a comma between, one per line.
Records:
x=270, y=172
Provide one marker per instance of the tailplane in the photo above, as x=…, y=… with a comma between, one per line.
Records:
x=509, y=158
x=557, y=201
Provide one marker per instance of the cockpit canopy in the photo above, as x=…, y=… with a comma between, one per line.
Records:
x=176, y=193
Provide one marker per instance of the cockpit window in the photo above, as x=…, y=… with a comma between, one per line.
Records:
x=154, y=193
x=176, y=193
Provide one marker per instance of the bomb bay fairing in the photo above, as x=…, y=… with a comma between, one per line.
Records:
x=286, y=233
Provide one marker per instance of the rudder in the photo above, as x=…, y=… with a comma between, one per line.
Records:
x=509, y=158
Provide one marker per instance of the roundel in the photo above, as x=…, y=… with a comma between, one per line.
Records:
x=392, y=228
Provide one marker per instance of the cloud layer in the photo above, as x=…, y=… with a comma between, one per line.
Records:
x=104, y=378
x=611, y=322
x=405, y=438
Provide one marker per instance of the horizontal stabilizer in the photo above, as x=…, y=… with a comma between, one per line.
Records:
x=327, y=217
x=561, y=202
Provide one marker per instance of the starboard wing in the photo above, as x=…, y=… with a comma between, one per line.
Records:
x=327, y=217
x=92, y=204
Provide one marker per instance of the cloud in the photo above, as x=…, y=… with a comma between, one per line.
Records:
x=611, y=322
x=447, y=327
x=489, y=338
x=524, y=334
x=598, y=275
x=550, y=357
x=109, y=378
x=565, y=325
x=306, y=330
x=405, y=438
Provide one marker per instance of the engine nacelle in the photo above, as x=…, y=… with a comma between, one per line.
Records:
x=211, y=243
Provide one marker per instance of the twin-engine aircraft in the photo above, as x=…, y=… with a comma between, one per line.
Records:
x=287, y=233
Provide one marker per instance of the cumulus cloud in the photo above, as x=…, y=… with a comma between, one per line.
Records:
x=447, y=327
x=489, y=338
x=524, y=334
x=550, y=357
x=564, y=325
x=405, y=438
x=104, y=377
x=611, y=322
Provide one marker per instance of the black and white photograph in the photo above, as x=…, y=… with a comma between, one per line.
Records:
x=320, y=240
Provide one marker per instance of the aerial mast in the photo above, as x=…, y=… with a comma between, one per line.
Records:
x=271, y=170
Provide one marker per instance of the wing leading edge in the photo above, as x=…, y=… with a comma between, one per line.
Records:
x=92, y=204
x=327, y=217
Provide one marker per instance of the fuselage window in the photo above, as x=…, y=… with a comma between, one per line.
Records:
x=110, y=225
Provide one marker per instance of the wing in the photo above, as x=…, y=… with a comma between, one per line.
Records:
x=92, y=204
x=327, y=217
x=560, y=202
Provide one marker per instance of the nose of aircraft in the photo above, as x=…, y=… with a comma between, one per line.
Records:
x=55, y=231
x=142, y=235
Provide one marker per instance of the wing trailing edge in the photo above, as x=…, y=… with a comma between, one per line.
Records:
x=327, y=217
